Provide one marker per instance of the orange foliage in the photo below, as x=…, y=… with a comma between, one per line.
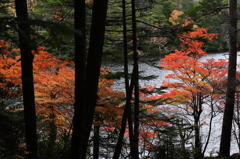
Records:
x=174, y=16
x=59, y=15
x=108, y=111
x=191, y=75
x=54, y=87
x=176, y=20
x=10, y=72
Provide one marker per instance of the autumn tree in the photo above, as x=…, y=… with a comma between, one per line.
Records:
x=54, y=89
x=194, y=81
x=11, y=112
x=54, y=94
x=54, y=100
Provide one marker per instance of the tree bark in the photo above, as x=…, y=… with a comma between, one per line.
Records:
x=27, y=78
x=80, y=80
x=231, y=84
x=197, y=114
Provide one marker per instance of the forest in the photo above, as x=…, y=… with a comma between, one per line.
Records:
x=58, y=99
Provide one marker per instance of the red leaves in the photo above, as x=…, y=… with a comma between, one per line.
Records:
x=191, y=75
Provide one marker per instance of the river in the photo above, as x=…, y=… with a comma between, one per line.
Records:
x=148, y=69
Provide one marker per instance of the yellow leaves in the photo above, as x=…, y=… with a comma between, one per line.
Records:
x=174, y=17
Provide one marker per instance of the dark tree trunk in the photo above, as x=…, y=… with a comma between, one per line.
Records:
x=96, y=142
x=231, y=84
x=127, y=110
x=128, y=88
x=197, y=153
x=80, y=81
x=136, y=86
x=93, y=67
x=86, y=77
x=197, y=114
x=210, y=127
x=126, y=113
x=27, y=78
x=52, y=133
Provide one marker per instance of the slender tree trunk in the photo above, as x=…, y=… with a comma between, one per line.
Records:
x=27, y=78
x=197, y=114
x=96, y=142
x=182, y=138
x=127, y=87
x=197, y=154
x=52, y=133
x=80, y=81
x=136, y=86
x=231, y=84
x=94, y=60
x=127, y=110
x=123, y=124
x=210, y=128
x=86, y=78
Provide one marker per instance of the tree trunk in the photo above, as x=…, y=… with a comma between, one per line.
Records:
x=128, y=88
x=127, y=110
x=126, y=113
x=96, y=142
x=27, y=78
x=197, y=153
x=231, y=84
x=136, y=86
x=80, y=80
x=210, y=128
x=197, y=114
x=52, y=136
x=93, y=67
